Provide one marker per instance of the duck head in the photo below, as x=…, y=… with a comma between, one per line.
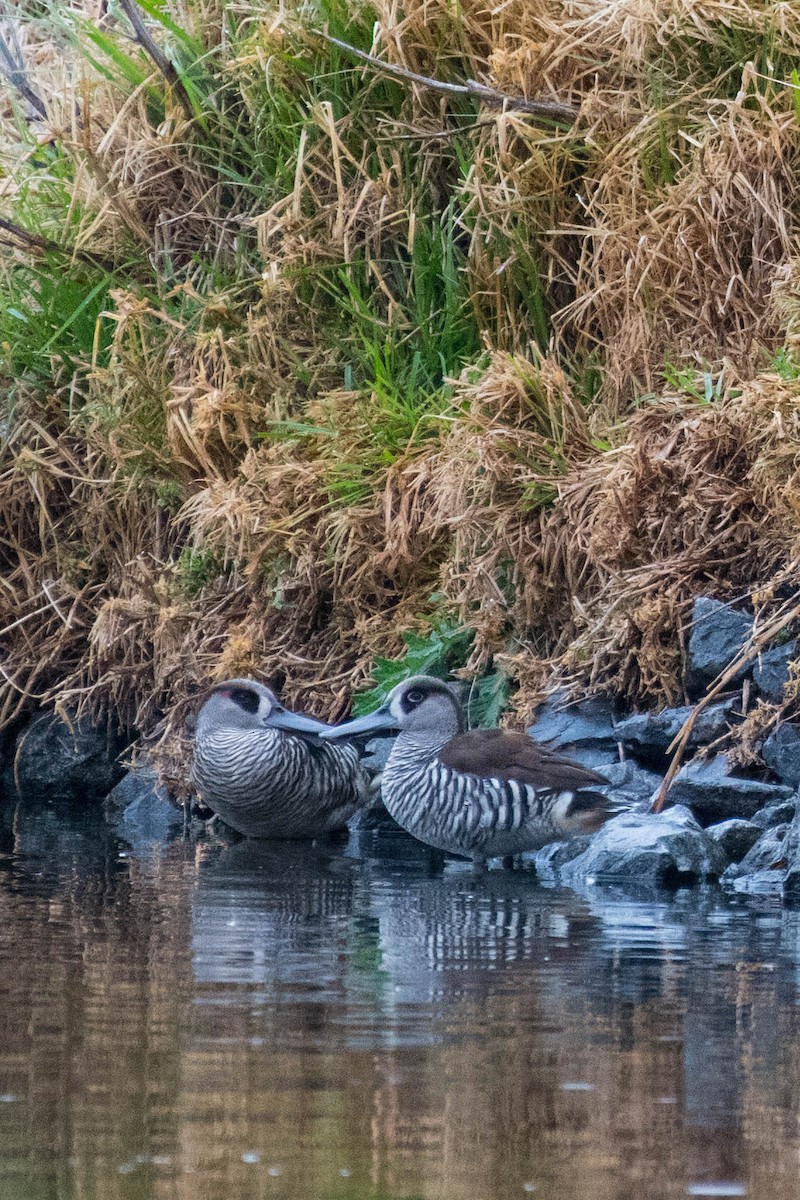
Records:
x=246, y=704
x=420, y=705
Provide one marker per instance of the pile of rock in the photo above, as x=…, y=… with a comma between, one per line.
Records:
x=740, y=827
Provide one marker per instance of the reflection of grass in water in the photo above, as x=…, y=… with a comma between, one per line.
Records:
x=364, y=952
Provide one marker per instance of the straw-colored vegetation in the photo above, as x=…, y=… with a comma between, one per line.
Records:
x=301, y=358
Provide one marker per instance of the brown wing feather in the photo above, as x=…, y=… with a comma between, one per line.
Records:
x=504, y=754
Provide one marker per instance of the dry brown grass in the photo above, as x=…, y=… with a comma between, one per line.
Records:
x=569, y=527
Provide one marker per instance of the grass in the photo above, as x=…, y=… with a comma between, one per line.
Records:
x=291, y=347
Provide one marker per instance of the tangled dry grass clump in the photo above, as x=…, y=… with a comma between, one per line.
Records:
x=299, y=356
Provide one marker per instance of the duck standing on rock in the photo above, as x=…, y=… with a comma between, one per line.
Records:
x=263, y=770
x=483, y=793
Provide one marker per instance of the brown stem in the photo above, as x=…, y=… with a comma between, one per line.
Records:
x=749, y=652
x=151, y=47
x=550, y=109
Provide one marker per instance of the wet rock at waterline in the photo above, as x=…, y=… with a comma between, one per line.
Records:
x=140, y=809
x=551, y=859
x=718, y=634
x=375, y=816
x=667, y=849
x=55, y=760
x=763, y=868
x=735, y=837
x=713, y=793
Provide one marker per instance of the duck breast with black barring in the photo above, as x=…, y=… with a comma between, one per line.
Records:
x=482, y=793
x=264, y=770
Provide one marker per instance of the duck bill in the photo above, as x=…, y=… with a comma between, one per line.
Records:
x=293, y=722
x=371, y=723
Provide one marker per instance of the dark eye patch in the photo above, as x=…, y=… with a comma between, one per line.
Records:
x=243, y=697
x=413, y=698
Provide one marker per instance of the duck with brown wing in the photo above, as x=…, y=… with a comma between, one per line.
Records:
x=481, y=793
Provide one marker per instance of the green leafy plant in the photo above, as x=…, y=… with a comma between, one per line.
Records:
x=443, y=649
x=196, y=569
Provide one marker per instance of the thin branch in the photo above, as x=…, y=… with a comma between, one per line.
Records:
x=151, y=47
x=34, y=241
x=548, y=109
x=755, y=645
x=434, y=135
x=12, y=66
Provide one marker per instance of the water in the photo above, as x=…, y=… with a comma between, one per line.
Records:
x=196, y=1020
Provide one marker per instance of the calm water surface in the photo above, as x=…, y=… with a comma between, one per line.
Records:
x=208, y=1021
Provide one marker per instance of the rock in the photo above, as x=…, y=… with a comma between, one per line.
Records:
x=764, y=865
x=774, y=814
x=781, y=753
x=375, y=816
x=717, y=635
x=771, y=672
x=589, y=723
x=735, y=837
x=55, y=760
x=654, y=732
x=597, y=758
x=140, y=809
x=376, y=753
x=767, y=882
x=666, y=849
x=630, y=784
x=713, y=793
x=551, y=858
x=791, y=880
x=8, y=737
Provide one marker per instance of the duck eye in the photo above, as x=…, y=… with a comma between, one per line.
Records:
x=415, y=696
x=244, y=698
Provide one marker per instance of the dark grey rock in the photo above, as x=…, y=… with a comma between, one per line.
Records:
x=713, y=793
x=666, y=849
x=652, y=732
x=551, y=858
x=597, y=758
x=791, y=880
x=376, y=753
x=587, y=723
x=717, y=635
x=735, y=837
x=771, y=672
x=375, y=816
x=774, y=814
x=781, y=753
x=630, y=784
x=54, y=760
x=767, y=882
x=140, y=809
x=765, y=860
x=136, y=785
